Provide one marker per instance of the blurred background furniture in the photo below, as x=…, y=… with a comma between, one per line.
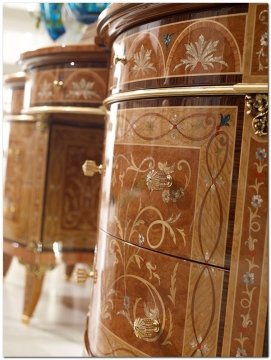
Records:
x=50, y=207
x=181, y=262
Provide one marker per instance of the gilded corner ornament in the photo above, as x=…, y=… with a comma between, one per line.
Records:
x=258, y=108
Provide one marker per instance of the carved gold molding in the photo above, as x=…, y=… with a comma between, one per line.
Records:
x=238, y=89
x=258, y=108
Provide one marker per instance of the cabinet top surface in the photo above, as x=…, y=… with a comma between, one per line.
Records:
x=63, y=53
x=14, y=79
x=119, y=17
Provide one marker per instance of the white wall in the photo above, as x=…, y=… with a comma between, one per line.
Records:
x=20, y=33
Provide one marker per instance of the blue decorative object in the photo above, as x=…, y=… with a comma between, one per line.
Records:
x=87, y=13
x=50, y=14
x=224, y=120
x=167, y=39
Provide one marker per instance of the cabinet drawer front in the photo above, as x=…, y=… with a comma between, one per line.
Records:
x=71, y=198
x=66, y=86
x=19, y=180
x=137, y=289
x=198, y=146
x=205, y=50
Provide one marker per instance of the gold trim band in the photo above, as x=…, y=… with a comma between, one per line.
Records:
x=238, y=89
x=8, y=117
x=38, y=110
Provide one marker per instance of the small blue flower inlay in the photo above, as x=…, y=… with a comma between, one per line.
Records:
x=167, y=39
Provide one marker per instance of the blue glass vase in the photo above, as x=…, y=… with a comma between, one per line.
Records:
x=51, y=17
x=87, y=13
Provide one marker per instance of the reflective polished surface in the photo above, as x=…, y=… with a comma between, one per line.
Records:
x=59, y=322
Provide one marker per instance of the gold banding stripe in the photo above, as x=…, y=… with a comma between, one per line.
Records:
x=10, y=117
x=35, y=110
x=238, y=89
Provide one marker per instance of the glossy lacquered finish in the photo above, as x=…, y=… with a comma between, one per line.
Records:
x=47, y=147
x=181, y=263
x=203, y=47
x=13, y=93
x=71, y=75
x=183, y=297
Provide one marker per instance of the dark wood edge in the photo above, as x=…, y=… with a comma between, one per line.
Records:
x=63, y=54
x=15, y=80
x=120, y=17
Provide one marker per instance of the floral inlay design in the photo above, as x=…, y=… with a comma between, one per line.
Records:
x=201, y=349
x=241, y=351
x=141, y=239
x=200, y=55
x=84, y=89
x=224, y=120
x=167, y=39
x=146, y=318
x=249, y=276
x=127, y=229
x=263, y=52
x=142, y=62
x=45, y=92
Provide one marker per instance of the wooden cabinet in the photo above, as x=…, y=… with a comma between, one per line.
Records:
x=181, y=262
x=50, y=207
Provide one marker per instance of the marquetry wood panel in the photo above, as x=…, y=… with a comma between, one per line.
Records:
x=81, y=86
x=132, y=283
x=71, y=198
x=13, y=93
x=197, y=146
x=203, y=50
x=25, y=147
x=248, y=284
x=256, y=49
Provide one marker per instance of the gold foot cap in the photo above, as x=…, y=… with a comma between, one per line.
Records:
x=25, y=319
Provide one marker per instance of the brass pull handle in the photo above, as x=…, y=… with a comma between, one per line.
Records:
x=145, y=328
x=122, y=59
x=158, y=180
x=82, y=275
x=90, y=168
x=58, y=83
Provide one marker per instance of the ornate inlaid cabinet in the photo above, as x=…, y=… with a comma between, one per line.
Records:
x=50, y=207
x=181, y=261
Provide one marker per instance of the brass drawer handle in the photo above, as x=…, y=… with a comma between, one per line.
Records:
x=122, y=59
x=58, y=83
x=158, y=180
x=90, y=168
x=145, y=328
x=82, y=275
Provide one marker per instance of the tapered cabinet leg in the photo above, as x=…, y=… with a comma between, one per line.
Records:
x=33, y=285
x=68, y=271
x=6, y=263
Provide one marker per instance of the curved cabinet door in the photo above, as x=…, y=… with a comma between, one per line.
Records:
x=150, y=304
x=171, y=184
x=24, y=181
x=71, y=197
x=66, y=86
x=196, y=48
